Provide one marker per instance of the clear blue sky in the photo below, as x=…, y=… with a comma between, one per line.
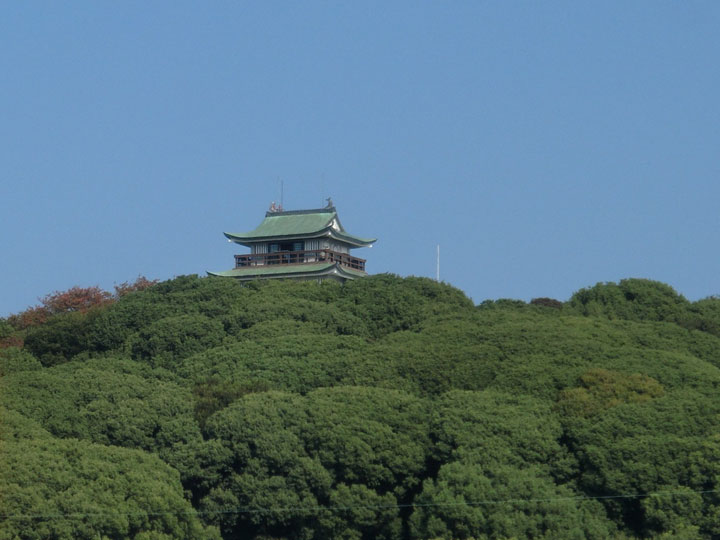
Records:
x=545, y=146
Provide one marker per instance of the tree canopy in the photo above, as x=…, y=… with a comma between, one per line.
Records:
x=386, y=407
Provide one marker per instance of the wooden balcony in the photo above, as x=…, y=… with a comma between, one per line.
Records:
x=300, y=257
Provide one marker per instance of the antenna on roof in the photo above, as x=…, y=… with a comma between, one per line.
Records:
x=437, y=273
x=282, y=192
x=322, y=183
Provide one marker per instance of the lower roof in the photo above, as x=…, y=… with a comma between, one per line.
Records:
x=290, y=271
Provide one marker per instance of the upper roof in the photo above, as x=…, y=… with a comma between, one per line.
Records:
x=300, y=224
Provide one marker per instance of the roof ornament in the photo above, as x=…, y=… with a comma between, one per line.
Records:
x=330, y=203
x=276, y=207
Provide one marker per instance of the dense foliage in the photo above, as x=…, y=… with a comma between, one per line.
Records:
x=383, y=408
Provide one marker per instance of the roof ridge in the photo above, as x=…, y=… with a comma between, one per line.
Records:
x=326, y=210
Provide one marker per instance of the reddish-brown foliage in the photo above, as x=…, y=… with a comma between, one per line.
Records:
x=11, y=341
x=76, y=299
x=547, y=302
x=79, y=299
x=30, y=317
x=140, y=283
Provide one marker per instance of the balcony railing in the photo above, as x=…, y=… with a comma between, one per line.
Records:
x=299, y=257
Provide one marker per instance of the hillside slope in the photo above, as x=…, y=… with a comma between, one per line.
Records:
x=382, y=408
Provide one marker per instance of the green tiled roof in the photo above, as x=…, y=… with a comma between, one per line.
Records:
x=299, y=224
x=291, y=270
x=273, y=269
x=281, y=224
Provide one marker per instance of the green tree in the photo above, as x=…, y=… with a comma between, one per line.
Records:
x=469, y=500
x=298, y=457
x=6, y=329
x=166, y=341
x=500, y=428
x=633, y=299
x=105, y=407
x=14, y=359
x=70, y=489
x=59, y=339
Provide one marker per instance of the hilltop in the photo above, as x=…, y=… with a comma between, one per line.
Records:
x=386, y=407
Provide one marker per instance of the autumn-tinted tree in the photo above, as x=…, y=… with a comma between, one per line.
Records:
x=140, y=284
x=76, y=299
x=33, y=316
x=547, y=302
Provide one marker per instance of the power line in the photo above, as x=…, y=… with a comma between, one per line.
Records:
x=287, y=509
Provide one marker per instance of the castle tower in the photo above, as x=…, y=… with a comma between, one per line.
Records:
x=298, y=244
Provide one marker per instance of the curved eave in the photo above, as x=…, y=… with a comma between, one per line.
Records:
x=287, y=224
x=326, y=232
x=291, y=271
x=350, y=239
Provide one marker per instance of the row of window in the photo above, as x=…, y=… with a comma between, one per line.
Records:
x=286, y=246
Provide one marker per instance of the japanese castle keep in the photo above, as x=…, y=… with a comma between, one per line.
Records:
x=298, y=244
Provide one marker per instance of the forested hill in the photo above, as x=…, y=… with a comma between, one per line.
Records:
x=384, y=408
